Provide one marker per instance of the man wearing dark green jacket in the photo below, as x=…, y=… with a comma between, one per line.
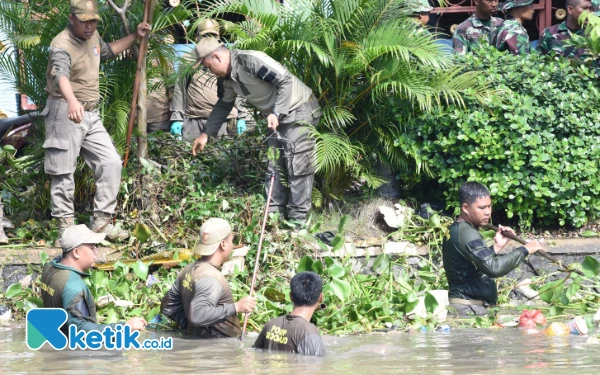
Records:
x=63, y=286
x=470, y=265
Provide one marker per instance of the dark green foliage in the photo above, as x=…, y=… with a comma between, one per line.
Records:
x=534, y=143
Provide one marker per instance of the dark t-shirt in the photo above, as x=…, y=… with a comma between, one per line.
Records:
x=291, y=333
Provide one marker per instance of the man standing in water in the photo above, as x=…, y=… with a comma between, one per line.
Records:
x=72, y=120
x=470, y=264
x=290, y=107
x=62, y=282
x=200, y=300
x=477, y=28
x=294, y=332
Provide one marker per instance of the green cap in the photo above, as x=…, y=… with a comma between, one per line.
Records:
x=85, y=10
x=514, y=4
x=419, y=6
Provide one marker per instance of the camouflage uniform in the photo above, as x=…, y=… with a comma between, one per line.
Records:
x=552, y=40
x=472, y=32
x=511, y=36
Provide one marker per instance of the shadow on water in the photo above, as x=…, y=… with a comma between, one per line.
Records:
x=462, y=351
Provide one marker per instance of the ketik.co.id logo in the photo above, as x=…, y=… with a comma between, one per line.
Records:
x=43, y=325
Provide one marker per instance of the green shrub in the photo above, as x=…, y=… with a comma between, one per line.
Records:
x=535, y=143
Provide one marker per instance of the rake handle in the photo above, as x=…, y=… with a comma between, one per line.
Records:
x=539, y=252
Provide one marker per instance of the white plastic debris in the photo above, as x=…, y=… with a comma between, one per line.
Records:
x=524, y=288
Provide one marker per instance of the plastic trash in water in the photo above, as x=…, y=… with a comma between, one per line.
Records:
x=557, y=329
x=423, y=329
x=531, y=319
x=577, y=326
x=444, y=328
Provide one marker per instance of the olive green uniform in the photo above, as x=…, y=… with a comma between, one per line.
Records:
x=271, y=88
x=79, y=61
x=471, y=265
x=63, y=287
x=201, y=303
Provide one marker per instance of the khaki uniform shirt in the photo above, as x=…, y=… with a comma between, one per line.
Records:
x=157, y=102
x=78, y=60
x=263, y=82
x=201, y=302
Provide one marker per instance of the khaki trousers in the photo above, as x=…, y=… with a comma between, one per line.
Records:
x=292, y=162
x=65, y=142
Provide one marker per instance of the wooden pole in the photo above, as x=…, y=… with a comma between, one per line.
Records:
x=539, y=252
x=143, y=94
x=136, y=84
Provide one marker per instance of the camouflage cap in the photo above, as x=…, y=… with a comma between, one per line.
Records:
x=419, y=6
x=514, y=4
x=85, y=10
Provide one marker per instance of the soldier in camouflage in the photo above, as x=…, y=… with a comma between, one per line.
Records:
x=420, y=11
x=553, y=38
x=511, y=35
x=477, y=28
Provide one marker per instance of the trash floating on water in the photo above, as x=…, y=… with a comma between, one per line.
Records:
x=576, y=326
x=557, y=329
x=531, y=319
x=444, y=328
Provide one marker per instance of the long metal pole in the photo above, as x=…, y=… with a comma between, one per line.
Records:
x=260, y=242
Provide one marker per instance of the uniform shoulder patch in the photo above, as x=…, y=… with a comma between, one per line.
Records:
x=265, y=74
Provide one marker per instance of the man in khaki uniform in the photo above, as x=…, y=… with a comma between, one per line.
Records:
x=158, y=105
x=290, y=107
x=195, y=96
x=72, y=122
x=200, y=300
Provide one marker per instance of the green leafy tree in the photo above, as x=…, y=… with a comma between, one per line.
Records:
x=535, y=144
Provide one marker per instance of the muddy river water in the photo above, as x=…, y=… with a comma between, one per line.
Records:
x=461, y=351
